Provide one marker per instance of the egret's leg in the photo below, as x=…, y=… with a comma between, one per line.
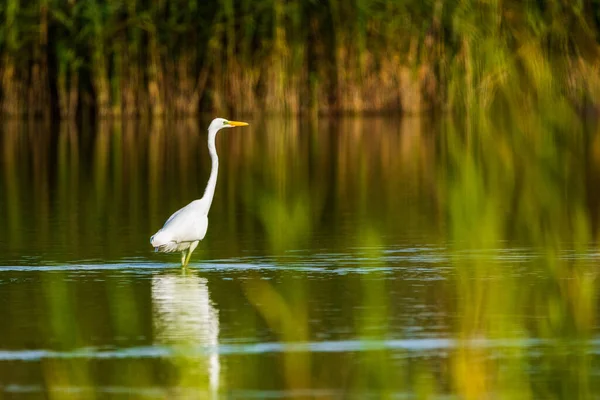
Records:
x=190, y=251
x=183, y=258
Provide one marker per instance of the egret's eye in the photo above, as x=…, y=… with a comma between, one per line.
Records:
x=225, y=122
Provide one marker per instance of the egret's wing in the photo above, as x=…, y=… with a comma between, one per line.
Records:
x=174, y=215
x=187, y=225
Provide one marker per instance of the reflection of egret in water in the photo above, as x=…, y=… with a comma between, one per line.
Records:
x=185, y=317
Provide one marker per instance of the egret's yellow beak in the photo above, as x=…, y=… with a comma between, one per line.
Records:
x=237, y=123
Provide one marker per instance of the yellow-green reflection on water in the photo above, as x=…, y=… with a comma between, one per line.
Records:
x=353, y=257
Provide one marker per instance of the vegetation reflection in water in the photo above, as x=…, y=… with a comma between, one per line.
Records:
x=373, y=255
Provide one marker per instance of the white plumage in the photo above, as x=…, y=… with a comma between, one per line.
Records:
x=187, y=226
x=184, y=227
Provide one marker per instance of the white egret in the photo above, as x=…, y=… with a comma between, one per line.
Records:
x=187, y=226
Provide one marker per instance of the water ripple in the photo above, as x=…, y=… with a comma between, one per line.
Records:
x=409, y=345
x=357, y=261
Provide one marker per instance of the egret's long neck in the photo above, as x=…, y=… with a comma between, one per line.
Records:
x=209, y=192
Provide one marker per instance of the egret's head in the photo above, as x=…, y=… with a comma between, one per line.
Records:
x=220, y=123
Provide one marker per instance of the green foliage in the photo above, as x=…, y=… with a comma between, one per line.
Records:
x=137, y=56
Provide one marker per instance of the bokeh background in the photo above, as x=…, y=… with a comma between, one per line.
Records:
x=413, y=211
x=177, y=57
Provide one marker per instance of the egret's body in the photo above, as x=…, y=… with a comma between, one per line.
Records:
x=187, y=226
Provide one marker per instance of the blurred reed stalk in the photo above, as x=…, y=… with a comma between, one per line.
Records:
x=177, y=57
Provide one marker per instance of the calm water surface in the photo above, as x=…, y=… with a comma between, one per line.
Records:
x=344, y=258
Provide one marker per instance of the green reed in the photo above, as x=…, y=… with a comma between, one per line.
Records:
x=178, y=57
